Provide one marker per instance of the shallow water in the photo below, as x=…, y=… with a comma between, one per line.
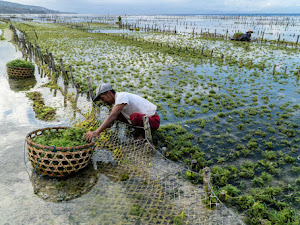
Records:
x=88, y=197
x=19, y=120
x=269, y=27
x=19, y=203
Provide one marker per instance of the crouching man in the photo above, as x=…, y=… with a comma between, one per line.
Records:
x=129, y=108
x=246, y=36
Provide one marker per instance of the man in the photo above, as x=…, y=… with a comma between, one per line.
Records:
x=246, y=36
x=128, y=108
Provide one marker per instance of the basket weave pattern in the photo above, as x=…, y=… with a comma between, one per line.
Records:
x=57, y=161
x=19, y=72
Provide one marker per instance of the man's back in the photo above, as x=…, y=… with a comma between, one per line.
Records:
x=134, y=104
x=245, y=37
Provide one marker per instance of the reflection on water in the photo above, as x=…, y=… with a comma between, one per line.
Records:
x=64, y=189
x=24, y=84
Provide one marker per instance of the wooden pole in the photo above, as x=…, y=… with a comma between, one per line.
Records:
x=193, y=165
x=274, y=69
x=91, y=92
x=147, y=128
x=64, y=72
x=76, y=85
x=206, y=179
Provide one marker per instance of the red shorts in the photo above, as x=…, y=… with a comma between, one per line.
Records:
x=137, y=120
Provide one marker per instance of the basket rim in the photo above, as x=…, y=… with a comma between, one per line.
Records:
x=12, y=67
x=52, y=147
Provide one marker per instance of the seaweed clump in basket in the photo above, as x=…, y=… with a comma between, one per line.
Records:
x=72, y=136
x=21, y=63
x=20, y=69
x=237, y=35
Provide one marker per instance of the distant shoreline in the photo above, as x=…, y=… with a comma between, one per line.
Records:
x=204, y=14
x=233, y=14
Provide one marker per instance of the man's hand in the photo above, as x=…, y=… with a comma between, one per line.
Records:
x=90, y=135
x=107, y=123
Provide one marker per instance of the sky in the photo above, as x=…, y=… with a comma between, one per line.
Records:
x=146, y=7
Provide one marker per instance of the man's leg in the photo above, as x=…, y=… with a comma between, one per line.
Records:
x=137, y=120
x=122, y=118
x=154, y=122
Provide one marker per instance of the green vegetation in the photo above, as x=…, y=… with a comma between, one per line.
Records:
x=2, y=27
x=236, y=115
x=237, y=35
x=21, y=63
x=72, y=136
x=42, y=111
x=62, y=138
x=136, y=210
x=124, y=176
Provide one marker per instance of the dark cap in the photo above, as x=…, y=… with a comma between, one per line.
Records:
x=102, y=89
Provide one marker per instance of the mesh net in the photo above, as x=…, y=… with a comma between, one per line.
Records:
x=136, y=184
x=156, y=189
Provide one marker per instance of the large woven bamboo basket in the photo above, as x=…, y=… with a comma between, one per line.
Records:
x=57, y=161
x=19, y=72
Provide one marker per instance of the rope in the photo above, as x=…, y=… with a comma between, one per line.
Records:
x=35, y=170
x=25, y=144
x=209, y=186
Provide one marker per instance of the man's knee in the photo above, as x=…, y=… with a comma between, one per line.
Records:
x=137, y=119
x=154, y=122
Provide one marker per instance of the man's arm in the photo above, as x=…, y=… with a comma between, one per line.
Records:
x=109, y=120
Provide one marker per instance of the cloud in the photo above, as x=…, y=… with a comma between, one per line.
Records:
x=104, y=7
x=32, y=2
x=130, y=2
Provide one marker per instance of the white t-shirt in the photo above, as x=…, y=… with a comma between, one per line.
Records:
x=135, y=104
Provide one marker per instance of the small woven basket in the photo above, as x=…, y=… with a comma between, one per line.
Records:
x=237, y=35
x=57, y=161
x=19, y=72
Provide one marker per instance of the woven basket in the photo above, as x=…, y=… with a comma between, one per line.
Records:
x=237, y=35
x=57, y=161
x=19, y=72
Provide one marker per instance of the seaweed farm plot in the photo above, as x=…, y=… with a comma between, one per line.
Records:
x=266, y=53
x=233, y=107
x=129, y=182
x=139, y=67
x=139, y=186
x=254, y=156
x=266, y=26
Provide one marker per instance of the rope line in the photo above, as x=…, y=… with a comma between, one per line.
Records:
x=25, y=145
